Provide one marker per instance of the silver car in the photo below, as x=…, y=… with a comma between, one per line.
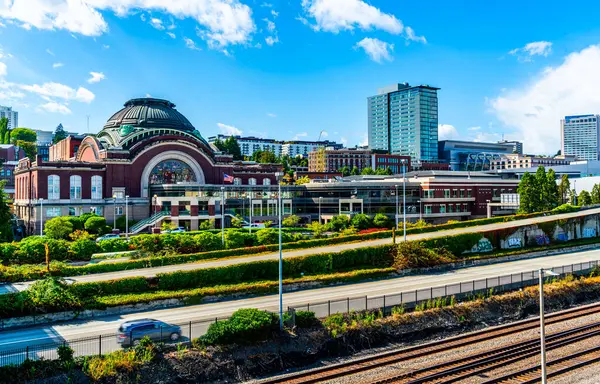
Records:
x=131, y=332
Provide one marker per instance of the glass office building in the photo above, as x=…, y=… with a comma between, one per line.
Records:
x=403, y=120
x=579, y=136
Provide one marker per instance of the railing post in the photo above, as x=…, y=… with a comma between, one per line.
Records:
x=190, y=331
x=99, y=345
x=366, y=303
x=27, y=352
x=446, y=290
x=329, y=308
x=161, y=335
x=384, y=305
x=348, y=305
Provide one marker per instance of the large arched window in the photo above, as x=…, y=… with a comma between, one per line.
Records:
x=53, y=187
x=172, y=172
x=252, y=181
x=266, y=181
x=75, y=190
x=96, y=187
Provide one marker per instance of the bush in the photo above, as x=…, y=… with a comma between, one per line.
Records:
x=50, y=295
x=457, y=244
x=565, y=208
x=411, y=254
x=361, y=221
x=95, y=224
x=77, y=221
x=146, y=243
x=271, y=236
x=113, y=245
x=80, y=235
x=206, y=241
x=8, y=252
x=291, y=221
x=337, y=223
x=306, y=319
x=83, y=249
x=33, y=251
x=244, y=326
x=65, y=354
x=59, y=228
x=234, y=239
x=381, y=221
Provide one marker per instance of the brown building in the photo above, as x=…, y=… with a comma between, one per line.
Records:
x=332, y=160
x=393, y=162
x=148, y=156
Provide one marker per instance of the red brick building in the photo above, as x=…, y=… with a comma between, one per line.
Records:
x=147, y=153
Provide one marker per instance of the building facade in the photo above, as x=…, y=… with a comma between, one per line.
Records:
x=471, y=155
x=11, y=115
x=147, y=159
x=303, y=148
x=403, y=120
x=9, y=158
x=251, y=144
x=332, y=160
x=579, y=136
x=515, y=161
x=396, y=163
x=516, y=145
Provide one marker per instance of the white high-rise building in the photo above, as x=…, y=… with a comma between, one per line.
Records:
x=580, y=136
x=12, y=116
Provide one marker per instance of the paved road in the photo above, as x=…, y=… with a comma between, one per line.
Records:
x=150, y=272
x=20, y=338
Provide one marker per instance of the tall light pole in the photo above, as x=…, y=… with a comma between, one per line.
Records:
x=403, y=162
x=127, y=216
x=396, y=207
x=320, y=200
x=542, y=328
x=420, y=211
x=223, y=216
x=115, y=212
x=250, y=215
x=280, y=206
x=574, y=192
x=155, y=209
x=41, y=217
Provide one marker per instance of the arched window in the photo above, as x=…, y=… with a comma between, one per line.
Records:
x=53, y=187
x=75, y=183
x=96, y=187
x=266, y=181
x=237, y=181
x=252, y=181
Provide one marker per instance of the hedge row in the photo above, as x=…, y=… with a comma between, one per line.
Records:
x=32, y=250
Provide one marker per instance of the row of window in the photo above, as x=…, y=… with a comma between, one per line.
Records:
x=251, y=181
x=74, y=187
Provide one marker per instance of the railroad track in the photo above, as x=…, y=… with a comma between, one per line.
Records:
x=356, y=366
x=460, y=369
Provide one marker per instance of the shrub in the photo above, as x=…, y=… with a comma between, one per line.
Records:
x=361, y=221
x=51, y=294
x=65, y=354
x=206, y=241
x=33, y=251
x=411, y=254
x=146, y=243
x=244, y=326
x=234, y=239
x=80, y=235
x=95, y=224
x=306, y=319
x=8, y=252
x=565, y=208
x=59, y=228
x=456, y=244
x=83, y=249
x=113, y=245
x=76, y=221
x=337, y=223
x=381, y=221
x=291, y=221
x=271, y=236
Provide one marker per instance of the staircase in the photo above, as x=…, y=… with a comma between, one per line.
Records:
x=143, y=224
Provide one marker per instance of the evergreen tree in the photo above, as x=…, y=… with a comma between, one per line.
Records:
x=233, y=148
x=551, y=190
x=220, y=146
x=3, y=129
x=540, y=181
x=564, y=189
x=6, y=233
x=584, y=198
x=59, y=134
x=596, y=194
x=529, y=194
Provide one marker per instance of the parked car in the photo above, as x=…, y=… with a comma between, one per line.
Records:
x=131, y=332
x=176, y=230
x=108, y=236
x=254, y=225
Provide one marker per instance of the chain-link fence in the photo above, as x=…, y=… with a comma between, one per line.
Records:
x=410, y=299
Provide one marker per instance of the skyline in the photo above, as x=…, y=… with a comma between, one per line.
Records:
x=288, y=70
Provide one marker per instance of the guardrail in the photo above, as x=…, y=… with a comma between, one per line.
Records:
x=106, y=343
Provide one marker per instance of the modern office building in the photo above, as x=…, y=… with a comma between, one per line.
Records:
x=11, y=115
x=517, y=145
x=516, y=161
x=303, y=148
x=251, y=144
x=579, y=136
x=403, y=120
x=471, y=155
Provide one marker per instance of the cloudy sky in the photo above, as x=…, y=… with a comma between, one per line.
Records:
x=293, y=68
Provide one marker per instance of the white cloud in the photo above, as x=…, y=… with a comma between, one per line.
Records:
x=410, y=35
x=229, y=129
x=157, y=23
x=270, y=40
x=487, y=137
x=106, y=46
x=57, y=90
x=57, y=65
x=171, y=35
x=55, y=108
x=96, y=77
x=271, y=115
x=535, y=109
x=365, y=140
x=48, y=51
x=191, y=44
x=3, y=70
x=299, y=135
x=447, y=132
x=344, y=141
x=148, y=95
x=376, y=49
x=142, y=17
x=270, y=24
x=474, y=129
x=223, y=22
x=274, y=13
x=266, y=5
x=536, y=48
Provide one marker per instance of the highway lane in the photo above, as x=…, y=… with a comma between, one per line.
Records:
x=150, y=272
x=20, y=338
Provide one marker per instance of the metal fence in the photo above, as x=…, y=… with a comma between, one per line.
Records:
x=410, y=299
x=106, y=343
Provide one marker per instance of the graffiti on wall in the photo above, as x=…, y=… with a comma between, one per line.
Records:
x=514, y=242
x=562, y=237
x=589, y=232
x=542, y=240
x=483, y=245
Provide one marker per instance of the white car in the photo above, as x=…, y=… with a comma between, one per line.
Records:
x=176, y=230
x=108, y=236
x=254, y=226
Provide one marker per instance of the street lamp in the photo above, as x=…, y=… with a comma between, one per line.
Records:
x=403, y=162
x=574, y=192
x=115, y=213
x=548, y=272
x=223, y=215
x=41, y=217
x=396, y=207
x=250, y=213
x=278, y=175
x=155, y=210
x=320, y=200
x=420, y=211
x=127, y=217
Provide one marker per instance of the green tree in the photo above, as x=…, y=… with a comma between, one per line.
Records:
x=361, y=221
x=59, y=134
x=233, y=148
x=220, y=145
x=5, y=138
x=564, y=188
x=23, y=134
x=3, y=129
x=237, y=222
x=345, y=171
x=95, y=224
x=355, y=171
x=596, y=194
x=381, y=221
x=367, y=171
x=291, y=221
x=529, y=194
x=58, y=228
x=584, y=198
x=302, y=180
x=550, y=194
x=384, y=171
x=6, y=233
x=29, y=148
x=337, y=223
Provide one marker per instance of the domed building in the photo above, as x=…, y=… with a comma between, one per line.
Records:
x=148, y=162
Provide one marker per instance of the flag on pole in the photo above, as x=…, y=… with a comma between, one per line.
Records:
x=227, y=178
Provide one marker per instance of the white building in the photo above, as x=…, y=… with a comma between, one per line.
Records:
x=12, y=116
x=249, y=145
x=580, y=137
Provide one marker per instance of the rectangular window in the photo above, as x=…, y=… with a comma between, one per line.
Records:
x=52, y=212
x=428, y=209
x=74, y=211
x=118, y=210
x=446, y=193
x=96, y=210
x=469, y=193
x=462, y=193
x=443, y=208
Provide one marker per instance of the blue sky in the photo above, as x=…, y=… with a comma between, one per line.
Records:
x=289, y=69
